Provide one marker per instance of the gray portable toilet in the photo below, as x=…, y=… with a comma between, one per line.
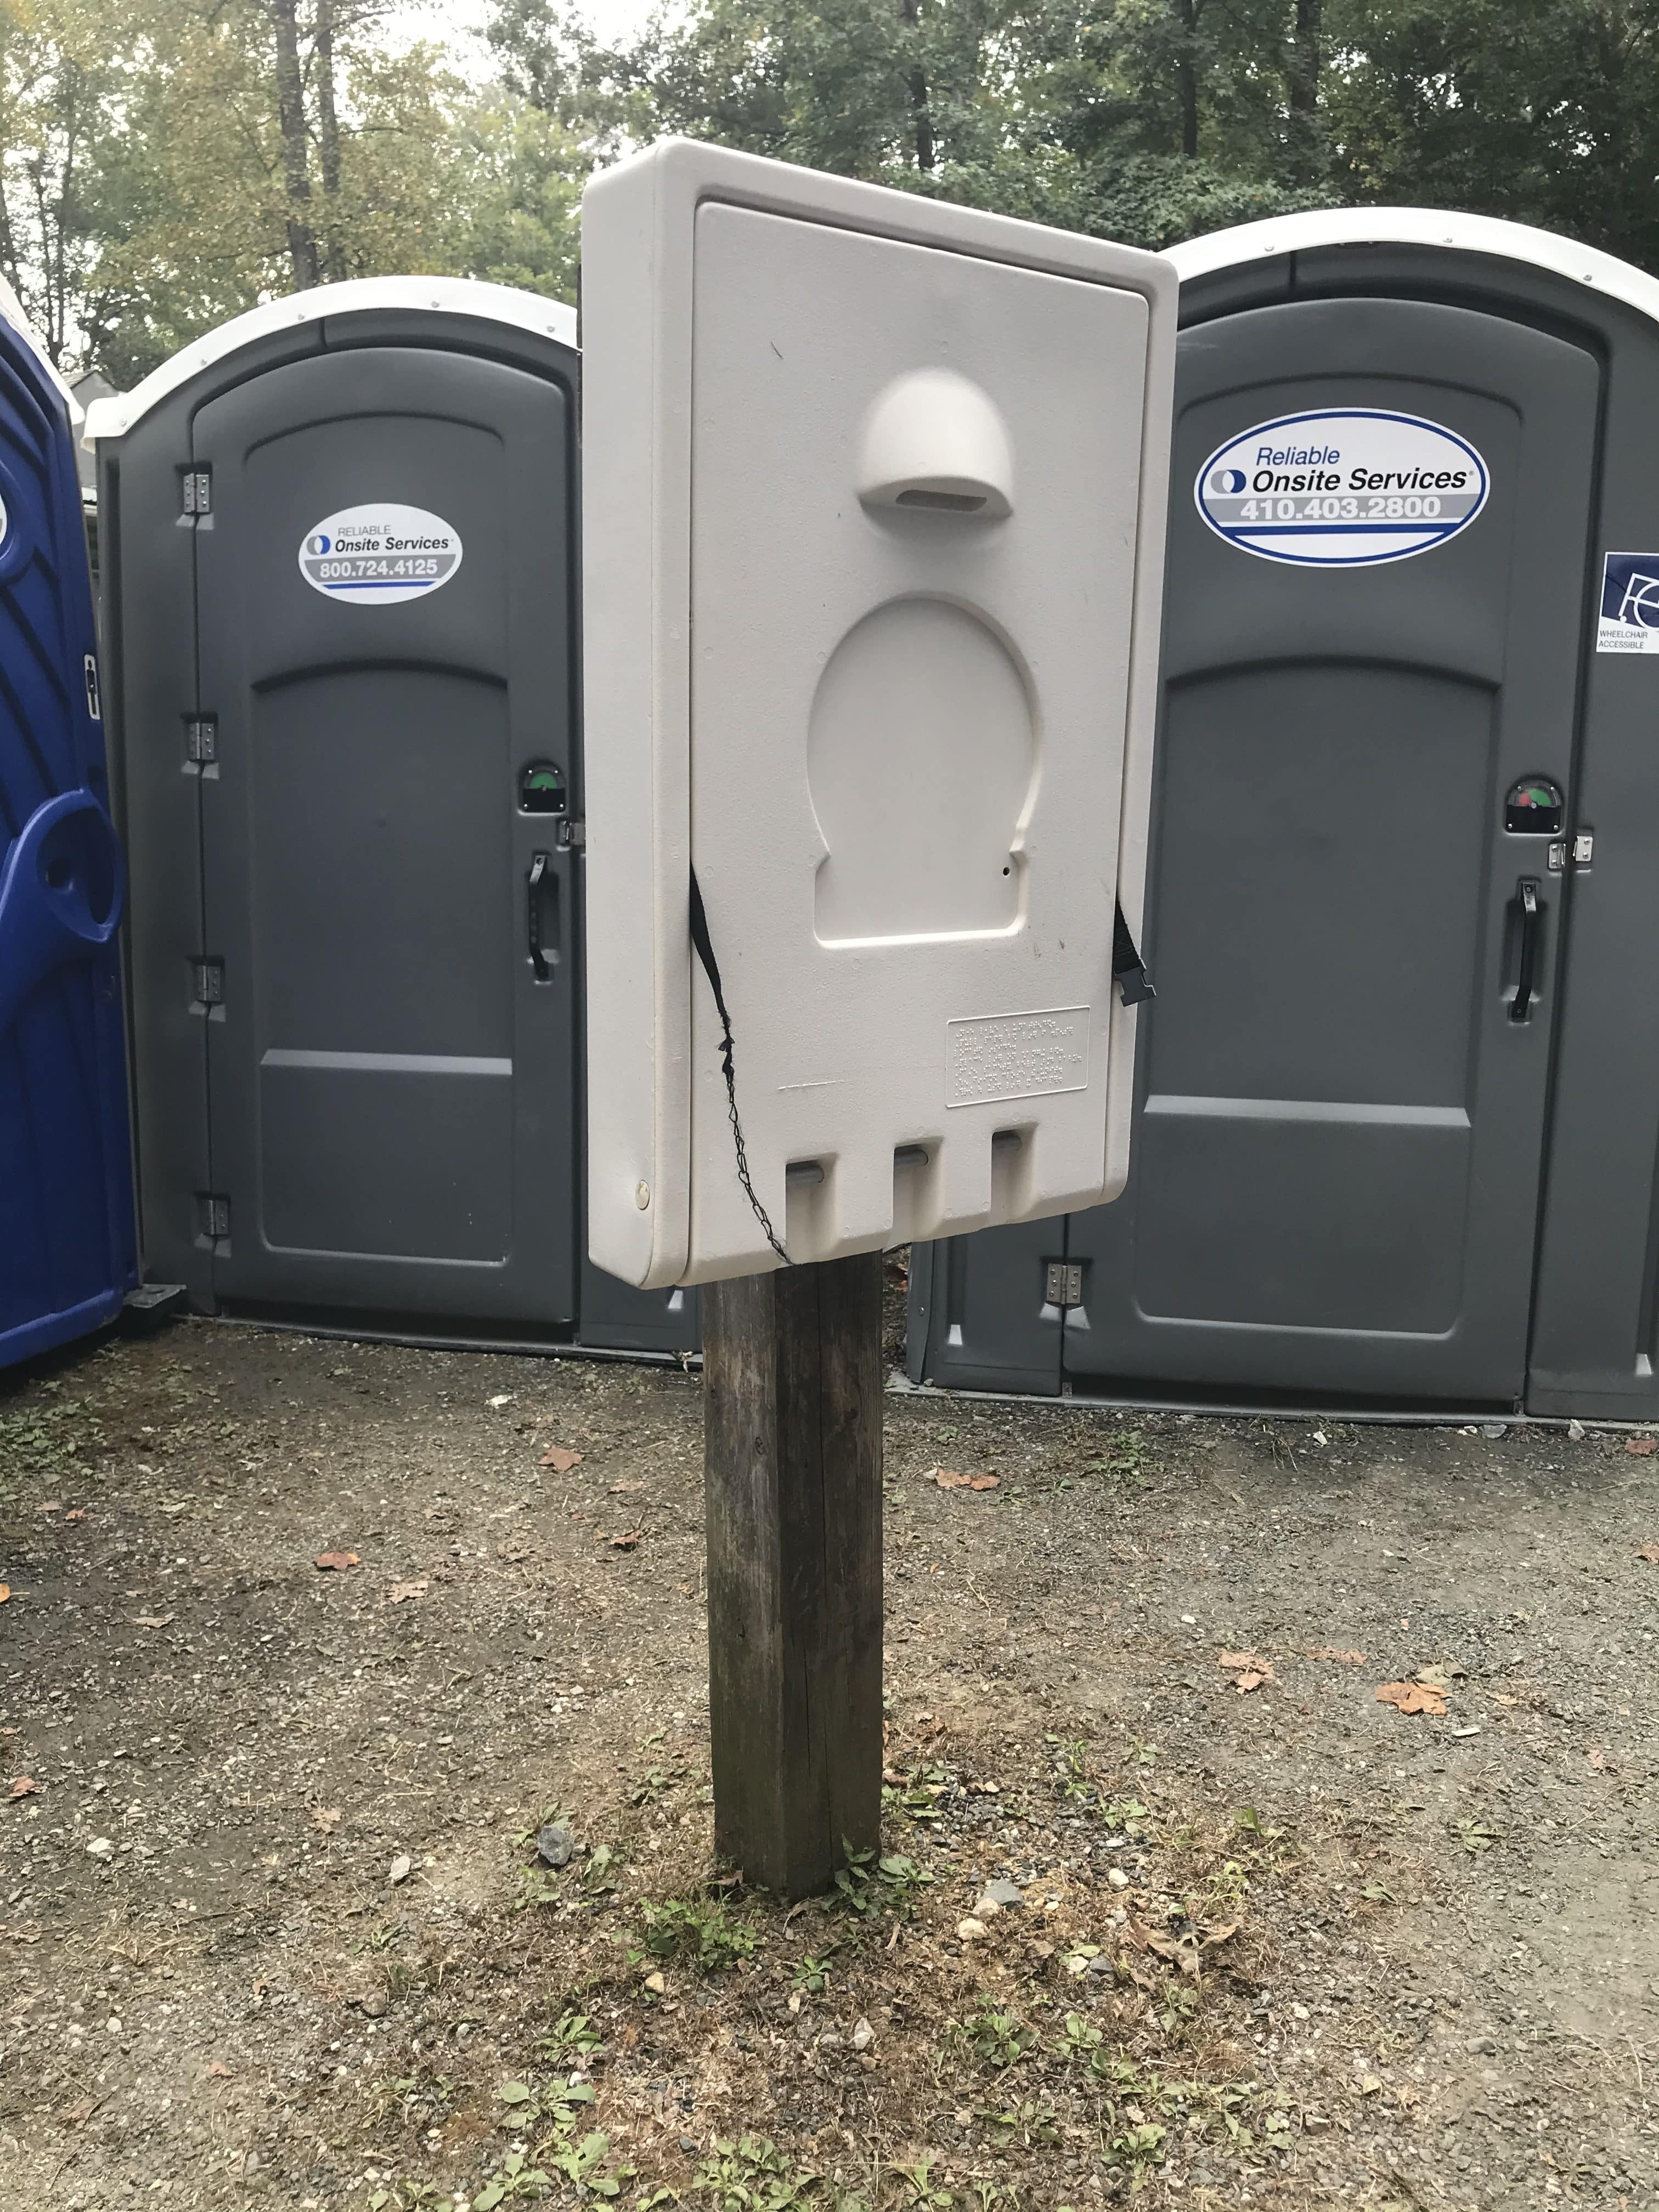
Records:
x=1399, y=1093
x=340, y=624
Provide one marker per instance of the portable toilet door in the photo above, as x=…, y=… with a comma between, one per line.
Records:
x=67, y=1246
x=339, y=578
x=1399, y=1093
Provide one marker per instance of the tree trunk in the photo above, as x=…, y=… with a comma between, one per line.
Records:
x=926, y=149
x=1304, y=57
x=296, y=164
x=328, y=140
x=1187, y=76
x=1306, y=134
x=59, y=280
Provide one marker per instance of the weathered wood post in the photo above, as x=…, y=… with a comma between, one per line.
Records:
x=793, y=1398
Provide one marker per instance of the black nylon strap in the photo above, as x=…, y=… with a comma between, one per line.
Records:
x=1128, y=968
x=703, y=945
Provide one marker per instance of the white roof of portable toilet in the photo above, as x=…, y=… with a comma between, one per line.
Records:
x=1462, y=234
x=449, y=295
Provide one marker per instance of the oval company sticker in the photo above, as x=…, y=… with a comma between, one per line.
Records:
x=1343, y=488
x=379, y=554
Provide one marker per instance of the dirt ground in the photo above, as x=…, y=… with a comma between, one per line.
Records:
x=273, y=1931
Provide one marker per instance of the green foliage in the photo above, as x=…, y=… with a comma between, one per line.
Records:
x=582, y=2164
x=1125, y=1816
x=751, y=2174
x=529, y=2111
x=916, y=1797
x=47, y=1439
x=996, y=2038
x=516, y=180
x=1073, y=1778
x=919, y=2188
x=573, y=2035
x=547, y=2117
x=703, y=1930
x=515, y=2182
x=155, y=177
x=871, y=1885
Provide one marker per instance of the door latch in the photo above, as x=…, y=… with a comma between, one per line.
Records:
x=1580, y=849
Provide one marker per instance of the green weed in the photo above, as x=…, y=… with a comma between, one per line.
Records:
x=870, y=1886
x=996, y=2038
x=751, y=2174
x=703, y=1930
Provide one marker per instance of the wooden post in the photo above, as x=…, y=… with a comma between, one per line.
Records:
x=792, y=1446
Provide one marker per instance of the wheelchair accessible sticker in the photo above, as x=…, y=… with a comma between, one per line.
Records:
x=1630, y=603
x=374, y=556
x=1343, y=488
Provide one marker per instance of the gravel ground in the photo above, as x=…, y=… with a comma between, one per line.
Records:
x=273, y=1931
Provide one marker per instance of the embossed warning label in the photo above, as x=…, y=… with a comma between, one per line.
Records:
x=1016, y=1055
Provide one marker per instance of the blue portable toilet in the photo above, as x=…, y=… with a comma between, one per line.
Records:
x=68, y=1252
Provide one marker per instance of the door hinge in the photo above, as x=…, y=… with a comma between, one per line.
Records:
x=93, y=707
x=571, y=837
x=201, y=738
x=195, y=491
x=215, y=1215
x=1062, y=1283
x=1581, y=847
x=207, y=982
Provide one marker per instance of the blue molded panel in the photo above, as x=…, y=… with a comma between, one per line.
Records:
x=67, y=1243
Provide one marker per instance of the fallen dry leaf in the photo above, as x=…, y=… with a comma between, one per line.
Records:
x=218, y=2069
x=1641, y=1447
x=25, y=1785
x=152, y=1619
x=336, y=1562
x=560, y=1460
x=5, y=1592
x=622, y=1489
x=947, y=1477
x=1342, y=1658
x=1648, y=1551
x=1412, y=1697
x=77, y=2114
x=75, y=1513
x=1249, y=1672
x=400, y=1593
x=325, y=1817
x=628, y=1539
x=986, y=1482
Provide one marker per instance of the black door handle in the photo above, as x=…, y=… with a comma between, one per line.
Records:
x=1526, y=897
x=542, y=886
